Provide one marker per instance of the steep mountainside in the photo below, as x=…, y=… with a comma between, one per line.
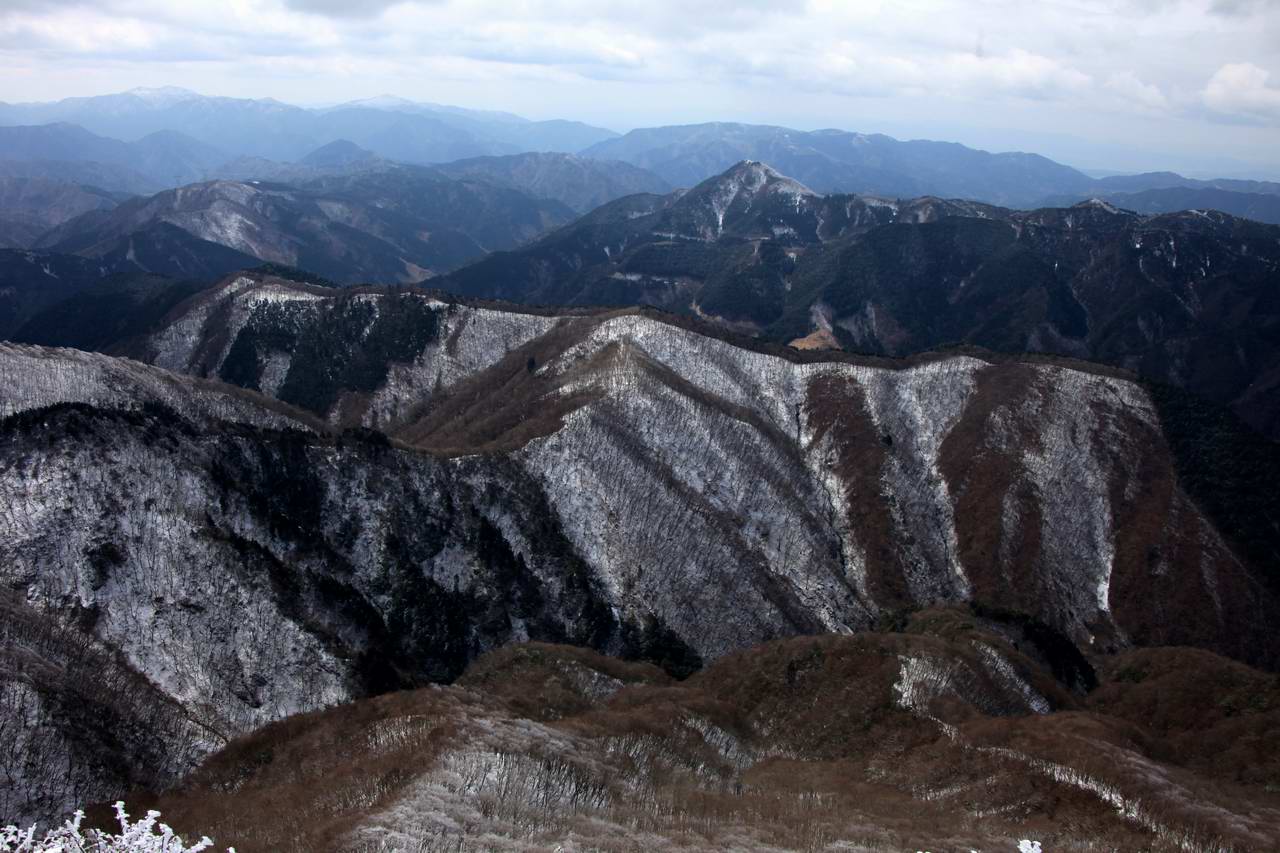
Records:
x=467, y=477
x=841, y=162
x=32, y=281
x=107, y=314
x=31, y=206
x=581, y=183
x=388, y=225
x=40, y=294
x=1185, y=298
x=950, y=735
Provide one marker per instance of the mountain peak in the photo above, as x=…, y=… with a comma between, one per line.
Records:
x=747, y=190
x=163, y=94
x=340, y=152
x=1098, y=204
x=381, y=102
x=755, y=176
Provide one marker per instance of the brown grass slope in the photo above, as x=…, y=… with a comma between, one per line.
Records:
x=904, y=741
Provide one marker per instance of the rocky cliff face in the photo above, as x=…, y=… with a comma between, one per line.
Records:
x=468, y=476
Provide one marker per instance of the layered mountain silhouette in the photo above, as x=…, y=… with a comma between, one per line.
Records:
x=399, y=130
x=392, y=475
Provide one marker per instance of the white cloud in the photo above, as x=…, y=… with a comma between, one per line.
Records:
x=343, y=8
x=1133, y=92
x=1111, y=69
x=1241, y=89
x=1018, y=72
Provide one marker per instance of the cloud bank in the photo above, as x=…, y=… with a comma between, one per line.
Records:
x=1115, y=71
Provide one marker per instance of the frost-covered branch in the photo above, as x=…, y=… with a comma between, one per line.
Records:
x=148, y=835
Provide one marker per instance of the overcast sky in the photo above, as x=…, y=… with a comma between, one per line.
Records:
x=1130, y=84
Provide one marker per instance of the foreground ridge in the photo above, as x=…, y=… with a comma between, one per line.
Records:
x=468, y=476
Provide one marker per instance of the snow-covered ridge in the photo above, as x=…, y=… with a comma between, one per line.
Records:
x=744, y=448
x=33, y=377
x=467, y=340
x=733, y=446
x=728, y=495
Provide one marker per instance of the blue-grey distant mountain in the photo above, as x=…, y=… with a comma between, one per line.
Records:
x=1170, y=180
x=557, y=135
x=1168, y=192
x=405, y=131
x=580, y=182
x=843, y=162
x=165, y=158
x=1260, y=207
x=109, y=177
x=340, y=152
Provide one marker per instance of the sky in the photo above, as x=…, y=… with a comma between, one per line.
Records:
x=1129, y=85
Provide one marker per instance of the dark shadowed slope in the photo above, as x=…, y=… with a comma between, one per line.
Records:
x=30, y=206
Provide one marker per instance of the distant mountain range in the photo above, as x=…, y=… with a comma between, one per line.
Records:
x=400, y=130
x=749, y=248
x=1170, y=180
x=164, y=158
x=109, y=177
x=581, y=183
x=1258, y=206
x=835, y=161
x=176, y=137
x=402, y=223
x=1186, y=298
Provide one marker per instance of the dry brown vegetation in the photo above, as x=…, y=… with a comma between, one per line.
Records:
x=505, y=406
x=812, y=743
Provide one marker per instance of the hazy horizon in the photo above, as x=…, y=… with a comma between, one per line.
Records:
x=1139, y=85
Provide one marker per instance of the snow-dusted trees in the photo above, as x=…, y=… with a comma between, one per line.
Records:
x=146, y=836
